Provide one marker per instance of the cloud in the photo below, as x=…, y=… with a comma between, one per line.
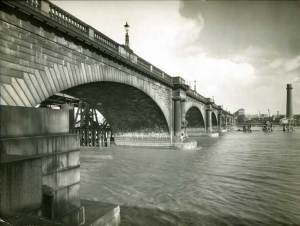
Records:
x=276, y=63
x=232, y=26
x=292, y=64
x=264, y=35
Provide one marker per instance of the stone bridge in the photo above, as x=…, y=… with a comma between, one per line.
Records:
x=44, y=51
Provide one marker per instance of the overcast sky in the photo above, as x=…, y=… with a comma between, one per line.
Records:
x=241, y=52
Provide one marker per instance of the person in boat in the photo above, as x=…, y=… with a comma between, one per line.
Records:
x=249, y=128
x=182, y=136
x=244, y=128
x=266, y=126
x=271, y=127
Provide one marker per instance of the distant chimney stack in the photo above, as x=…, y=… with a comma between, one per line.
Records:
x=289, y=105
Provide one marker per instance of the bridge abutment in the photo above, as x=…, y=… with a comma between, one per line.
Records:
x=179, y=102
x=208, y=119
x=39, y=161
x=177, y=117
x=220, y=121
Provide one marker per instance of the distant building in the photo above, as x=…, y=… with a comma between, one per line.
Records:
x=263, y=115
x=297, y=119
x=250, y=116
x=239, y=112
x=240, y=116
x=277, y=118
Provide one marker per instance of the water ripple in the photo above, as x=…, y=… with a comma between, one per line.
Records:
x=238, y=179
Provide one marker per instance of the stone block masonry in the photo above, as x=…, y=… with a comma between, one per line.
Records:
x=40, y=166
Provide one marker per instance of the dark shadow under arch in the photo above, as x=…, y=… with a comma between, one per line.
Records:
x=214, y=120
x=126, y=108
x=194, y=118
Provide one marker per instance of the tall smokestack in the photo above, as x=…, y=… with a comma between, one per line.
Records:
x=289, y=105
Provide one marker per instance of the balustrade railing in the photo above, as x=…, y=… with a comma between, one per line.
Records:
x=144, y=64
x=178, y=80
x=67, y=19
x=64, y=18
x=168, y=78
x=197, y=95
x=149, y=67
x=33, y=3
x=99, y=37
x=156, y=71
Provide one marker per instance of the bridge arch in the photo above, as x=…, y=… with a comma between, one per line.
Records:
x=190, y=103
x=214, y=120
x=36, y=87
x=194, y=118
x=127, y=109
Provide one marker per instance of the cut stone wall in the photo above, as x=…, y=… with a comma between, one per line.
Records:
x=38, y=157
x=21, y=188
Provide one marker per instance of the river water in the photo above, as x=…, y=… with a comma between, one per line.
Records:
x=236, y=179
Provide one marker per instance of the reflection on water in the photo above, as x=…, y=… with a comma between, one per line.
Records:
x=236, y=179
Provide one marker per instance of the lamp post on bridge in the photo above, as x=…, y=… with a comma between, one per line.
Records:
x=126, y=26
